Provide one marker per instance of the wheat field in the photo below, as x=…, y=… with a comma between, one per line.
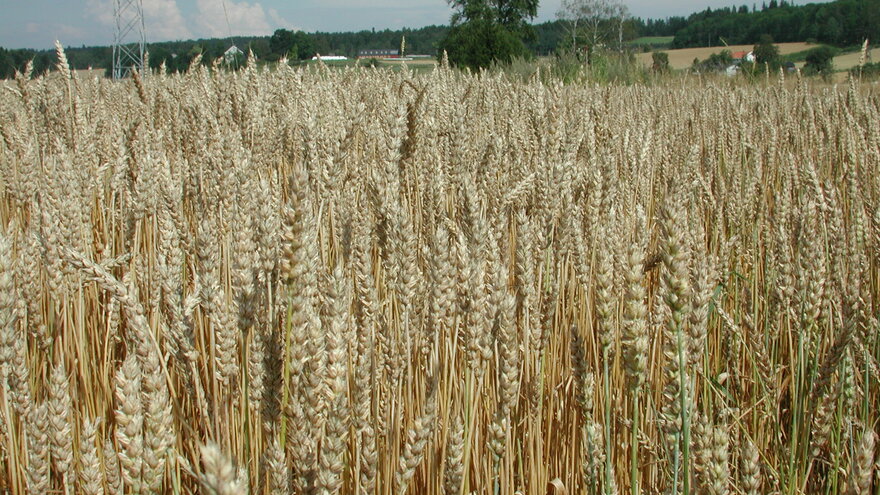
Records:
x=320, y=281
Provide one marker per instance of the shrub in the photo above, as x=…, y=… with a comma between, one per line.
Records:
x=867, y=71
x=661, y=61
x=819, y=60
x=715, y=63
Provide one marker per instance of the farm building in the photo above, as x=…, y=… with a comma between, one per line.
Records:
x=379, y=54
x=233, y=55
x=743, y=56
x=738, y=58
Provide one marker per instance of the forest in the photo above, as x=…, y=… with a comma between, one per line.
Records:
x=840, y=23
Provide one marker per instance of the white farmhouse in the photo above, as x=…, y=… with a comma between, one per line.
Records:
x=233, y=55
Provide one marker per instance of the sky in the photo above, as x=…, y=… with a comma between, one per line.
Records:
x=38, y=23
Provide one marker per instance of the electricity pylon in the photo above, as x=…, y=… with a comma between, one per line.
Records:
x=130, y=40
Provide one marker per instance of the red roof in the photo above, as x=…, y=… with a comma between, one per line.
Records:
x=740, y=55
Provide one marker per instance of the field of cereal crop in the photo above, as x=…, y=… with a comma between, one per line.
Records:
x=373, y=281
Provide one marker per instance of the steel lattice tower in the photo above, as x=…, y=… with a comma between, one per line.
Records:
x=129, y=40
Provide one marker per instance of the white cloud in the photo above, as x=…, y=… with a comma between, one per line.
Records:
x=65, y=33
x=163, y=21
x=162, y=18
x=374, y=4
x=244, y=18
x=101, y=11
x=278, y=21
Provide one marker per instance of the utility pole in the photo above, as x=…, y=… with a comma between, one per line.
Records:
x=129, y=40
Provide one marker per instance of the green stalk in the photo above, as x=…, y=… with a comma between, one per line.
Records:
x=685, y=416
x=795, y=417
x=469, y=415
x=607, y=385
x=866, y=400
x=675, y=462
x=836, y=436
x=634, y=462
x=497, y=484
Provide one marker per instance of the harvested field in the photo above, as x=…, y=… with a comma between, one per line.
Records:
x=684, y=58
x=849, y=60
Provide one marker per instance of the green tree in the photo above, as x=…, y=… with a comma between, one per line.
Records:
x=476, y=44
x=260, y=47
x=833, y=31
x=293, y=45
x=158, y=55
x=281, y=42
x=591, y=23
x=7, y=64
x=766, y=52
x=487, y=31
x=303, y=45
x=715, y=63
x=819, y=61
x=661, y=61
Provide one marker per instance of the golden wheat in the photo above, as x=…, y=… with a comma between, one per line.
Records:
x=357, y=281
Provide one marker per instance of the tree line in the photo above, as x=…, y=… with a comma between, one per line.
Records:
x=839, y=23
x=283, y=43
x=486, y=31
